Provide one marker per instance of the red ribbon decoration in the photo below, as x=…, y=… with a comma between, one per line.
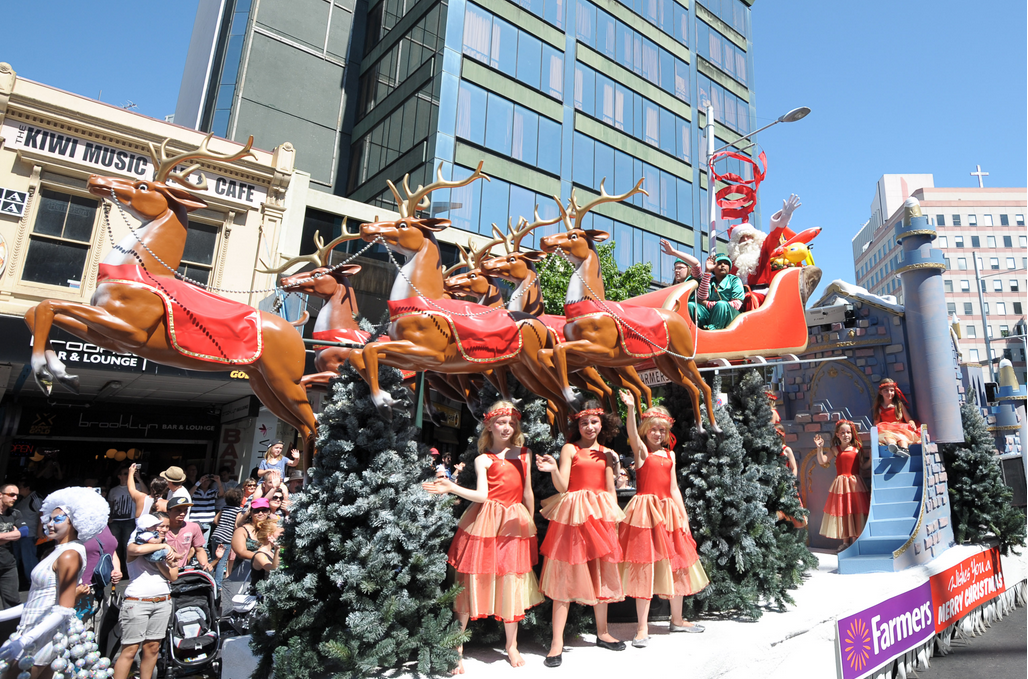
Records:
x=746, y=189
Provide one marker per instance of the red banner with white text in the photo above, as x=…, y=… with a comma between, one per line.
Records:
x=960, y=589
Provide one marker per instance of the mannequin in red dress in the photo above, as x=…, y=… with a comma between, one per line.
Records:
x=497, y=575
x=660, y=556
x=848, y=498
x=581, y=546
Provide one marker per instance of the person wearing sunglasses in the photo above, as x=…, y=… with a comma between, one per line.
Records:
x=70, y=517
x=279, y=505
x=12, y=528
x=245, y=544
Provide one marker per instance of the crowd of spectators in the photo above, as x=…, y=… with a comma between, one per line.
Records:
x=177, y=519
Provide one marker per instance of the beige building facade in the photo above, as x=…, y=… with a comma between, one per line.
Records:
x=53, y=236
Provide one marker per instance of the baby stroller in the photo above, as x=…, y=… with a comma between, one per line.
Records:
x=192, y=646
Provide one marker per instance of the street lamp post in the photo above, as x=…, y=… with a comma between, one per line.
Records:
x=790, y=117
x=985, y=316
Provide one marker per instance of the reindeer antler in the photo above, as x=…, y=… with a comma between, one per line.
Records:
x=165, y=164
x=319, y=258
x=604, y=197
x=418, y=200
x=482, y=252
x=522, y=231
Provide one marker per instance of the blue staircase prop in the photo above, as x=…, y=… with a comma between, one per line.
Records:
x=909, y=522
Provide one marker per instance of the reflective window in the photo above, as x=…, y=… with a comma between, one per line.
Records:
x=594, y=161
x=525, y=139
x=396, y=134
x=59, y=243
x=720, y=51
x=493, y=41
x=417, y=46
x=549, y=145
x=634, y=114
x=732, y=12
x=990, y=241
x=729, y=109
x=499, y=124
x=631, y=49
x=470, y=108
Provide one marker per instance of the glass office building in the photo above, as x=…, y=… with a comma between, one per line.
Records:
x=553, y=95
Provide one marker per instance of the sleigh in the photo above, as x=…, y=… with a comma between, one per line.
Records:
x=777, y=328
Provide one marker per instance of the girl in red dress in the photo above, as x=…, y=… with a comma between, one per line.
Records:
x=790, y=461
x=495, y=547
x=896, y=429
x=848, y=498
x=659, y=551
x=581, y=546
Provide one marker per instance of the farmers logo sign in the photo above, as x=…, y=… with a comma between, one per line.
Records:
x=874, y=636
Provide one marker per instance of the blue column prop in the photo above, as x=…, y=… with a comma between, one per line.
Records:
x=932, y=371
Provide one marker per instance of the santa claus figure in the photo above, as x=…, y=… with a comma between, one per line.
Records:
x=750, y=250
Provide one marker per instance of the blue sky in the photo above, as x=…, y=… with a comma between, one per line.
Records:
x=914, y=86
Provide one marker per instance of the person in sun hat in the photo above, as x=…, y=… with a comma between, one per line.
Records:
x=176, y=478
x=719, y=296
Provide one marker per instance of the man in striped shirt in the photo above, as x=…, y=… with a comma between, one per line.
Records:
x=205, y=494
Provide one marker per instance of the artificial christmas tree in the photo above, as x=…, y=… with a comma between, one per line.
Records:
x=790, y=558
x=980, y=503
x=362, y=582
x=728, y=493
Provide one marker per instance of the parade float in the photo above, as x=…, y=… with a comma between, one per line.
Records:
x=826, y=362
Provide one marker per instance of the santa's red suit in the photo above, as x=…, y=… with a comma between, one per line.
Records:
x=757, y=275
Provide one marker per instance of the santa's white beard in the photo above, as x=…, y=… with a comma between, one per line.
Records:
x=745, y=257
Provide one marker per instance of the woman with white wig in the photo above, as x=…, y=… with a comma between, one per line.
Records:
x=70, y=517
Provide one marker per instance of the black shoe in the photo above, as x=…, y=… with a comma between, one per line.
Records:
x=611, y=645
x=553, y=660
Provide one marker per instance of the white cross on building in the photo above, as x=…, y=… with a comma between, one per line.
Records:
x=980, y=175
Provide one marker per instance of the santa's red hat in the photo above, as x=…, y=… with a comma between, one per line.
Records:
x=737, y=231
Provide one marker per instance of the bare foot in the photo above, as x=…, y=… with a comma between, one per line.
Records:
x=514, y=658
x=642, y=634
x=606, y=636
x=459, y=669
x=555, y=649
x=683, y=623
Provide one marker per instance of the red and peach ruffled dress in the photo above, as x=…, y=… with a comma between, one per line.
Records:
x=660, y=556
x=495, y=548
x=892, y=430
x=848, y=499
x=581, y=546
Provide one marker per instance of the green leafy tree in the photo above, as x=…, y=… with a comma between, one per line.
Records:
x=790, y=558
x=555, y=274
x=980, y=503
x=361, y=587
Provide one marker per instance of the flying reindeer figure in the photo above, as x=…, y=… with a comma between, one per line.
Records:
x=336, y=320
x=613, y=335
x=428, y=331
x=519, y=268
x=140, y=306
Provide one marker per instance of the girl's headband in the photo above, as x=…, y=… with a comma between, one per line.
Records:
x=660, y=416
x=889, y=382
x=585, y=413
x=501, y=412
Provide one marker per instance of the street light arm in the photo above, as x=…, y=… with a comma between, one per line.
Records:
x=790, y=117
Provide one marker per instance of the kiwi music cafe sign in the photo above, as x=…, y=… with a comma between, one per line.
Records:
x=109, y=160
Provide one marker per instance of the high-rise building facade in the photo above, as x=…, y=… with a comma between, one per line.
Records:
x=551, y=94
x=987, y=224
